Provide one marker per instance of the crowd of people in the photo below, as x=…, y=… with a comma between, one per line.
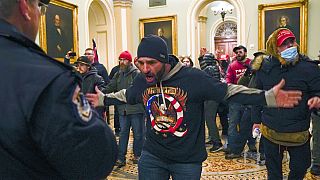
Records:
x=58, y=126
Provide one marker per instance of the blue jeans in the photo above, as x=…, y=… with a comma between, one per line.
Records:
x=151, y=167
x=136, y=121
x=239, y=119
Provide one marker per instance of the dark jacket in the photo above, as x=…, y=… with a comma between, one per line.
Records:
x=102, y=71
x=47, y=131
x=212, y=69
x=54, y=39
x=114, y=70
x=91, y=79
x=303, y=76
x=122, y=80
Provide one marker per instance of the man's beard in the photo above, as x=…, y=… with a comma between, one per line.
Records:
x=83, y=72
x=241, y=58
x=157, y=77
x=160, y=74
x=123, y=67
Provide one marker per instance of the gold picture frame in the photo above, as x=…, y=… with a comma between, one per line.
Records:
x=296, y=13
x=58, y=31
x=168, y=26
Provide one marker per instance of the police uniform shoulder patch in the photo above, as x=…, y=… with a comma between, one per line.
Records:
x=83, y=109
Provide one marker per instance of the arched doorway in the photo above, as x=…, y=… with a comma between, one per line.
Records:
x=101, y=28
x=192, y=24
x=225, y=38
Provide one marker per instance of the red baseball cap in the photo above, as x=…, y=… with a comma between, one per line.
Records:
x=283, y=35
x=224, y=57
x=126, y=55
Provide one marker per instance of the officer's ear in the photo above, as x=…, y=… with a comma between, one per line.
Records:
x=24, y=8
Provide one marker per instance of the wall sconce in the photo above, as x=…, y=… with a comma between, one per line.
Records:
x=222, y=10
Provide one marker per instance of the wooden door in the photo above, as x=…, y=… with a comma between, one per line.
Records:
x=225, y=45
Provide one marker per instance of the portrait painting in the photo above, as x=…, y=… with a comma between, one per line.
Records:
x=164, y=27
x=58, y=29
x=155, y=3
x=291, y=15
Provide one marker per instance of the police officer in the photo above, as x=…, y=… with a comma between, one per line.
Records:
x=47, y=128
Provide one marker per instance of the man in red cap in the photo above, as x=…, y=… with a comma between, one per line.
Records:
x=130, y=115
x=287, y=129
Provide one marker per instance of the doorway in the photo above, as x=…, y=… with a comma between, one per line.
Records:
x=225, y=38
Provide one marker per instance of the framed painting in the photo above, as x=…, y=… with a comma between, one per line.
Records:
x=59, y=29
x=155, y=3
x=291, y=15
x=164, y=27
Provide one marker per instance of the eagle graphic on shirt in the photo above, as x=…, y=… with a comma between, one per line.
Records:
x=166, y=110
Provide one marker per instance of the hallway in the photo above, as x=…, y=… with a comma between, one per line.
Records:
x=216, y=167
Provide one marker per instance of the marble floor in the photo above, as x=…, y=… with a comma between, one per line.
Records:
x=216, y=167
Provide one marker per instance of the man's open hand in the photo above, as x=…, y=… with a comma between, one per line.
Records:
x=286, y=98
x=96, y=99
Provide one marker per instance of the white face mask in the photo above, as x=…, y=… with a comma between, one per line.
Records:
x=289, y=54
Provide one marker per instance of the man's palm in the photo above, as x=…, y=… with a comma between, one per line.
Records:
x=286, y=98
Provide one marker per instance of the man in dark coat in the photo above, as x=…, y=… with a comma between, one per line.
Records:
x=90, y=76
x=48, y=129
x=102, y=71
x=90, y=79
x=209, y=64
x=287, y=129
x=131, y=116
x=58, y=41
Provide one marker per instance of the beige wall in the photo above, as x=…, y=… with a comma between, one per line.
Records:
x=313, y=45
x=107, y=58
x=180, y=8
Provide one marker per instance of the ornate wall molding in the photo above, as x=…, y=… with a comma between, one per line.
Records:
x=202, y=19
x=122, y=3
x=227, y=29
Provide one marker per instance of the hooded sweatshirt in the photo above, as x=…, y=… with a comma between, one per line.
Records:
x=174, y=110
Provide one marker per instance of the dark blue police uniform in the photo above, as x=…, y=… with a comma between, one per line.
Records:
x=47, y=128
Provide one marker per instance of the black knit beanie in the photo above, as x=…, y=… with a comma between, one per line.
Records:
x=153, y=46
